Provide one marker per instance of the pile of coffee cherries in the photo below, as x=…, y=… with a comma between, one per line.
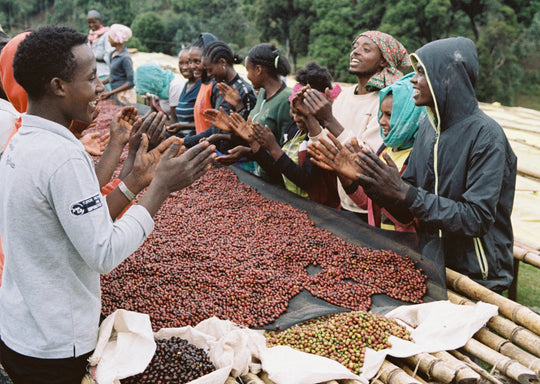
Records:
x=175, y=361
x=221, y=249
x=342, y=337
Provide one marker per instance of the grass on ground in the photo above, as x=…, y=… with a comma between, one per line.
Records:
x=528, y=286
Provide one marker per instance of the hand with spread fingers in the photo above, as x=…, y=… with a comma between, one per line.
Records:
x=94, y=142
x=264, y=136
x=146, y=161
x=234, y=155
x=148, y=124
x=336, y=157
x=156, y=130
x=219, y=119
x=122, y=124
x=319, y=105
x=297, y=104
x=231, y=95
x=241, y=127
x=383, y=176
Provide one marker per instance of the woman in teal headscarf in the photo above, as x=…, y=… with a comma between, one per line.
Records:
x=398, y=123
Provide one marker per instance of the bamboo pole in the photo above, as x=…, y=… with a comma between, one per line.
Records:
x=527, y=256
x=391, y=374
x=264, y=377
x=408, y=370
x=516, y=312
x=476, y=367
x=505, y=347
x=251, y=378
x=526, y=245
x=464, y=373
x=433, y=367
x=504, y=364
x=506, y=328
x=528, y=172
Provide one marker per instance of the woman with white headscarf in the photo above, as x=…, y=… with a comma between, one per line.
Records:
x=121, y=67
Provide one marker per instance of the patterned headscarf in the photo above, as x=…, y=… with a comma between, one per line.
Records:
x=396, y=57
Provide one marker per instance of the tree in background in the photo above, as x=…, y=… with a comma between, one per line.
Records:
x=417, y=23
x=16, y=14
x=332, y=34
x=506, y=32
x=500, y=70
x=288, y=22
x=529, y=53
x=150, y=30
x=223, y=19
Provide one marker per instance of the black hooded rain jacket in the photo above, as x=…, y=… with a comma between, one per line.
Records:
x=462, y=169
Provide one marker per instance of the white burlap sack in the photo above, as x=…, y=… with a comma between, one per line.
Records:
x=124, y=348
x=434, y=327
x=437, y=326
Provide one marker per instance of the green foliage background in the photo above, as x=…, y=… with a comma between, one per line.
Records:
x=506, y=32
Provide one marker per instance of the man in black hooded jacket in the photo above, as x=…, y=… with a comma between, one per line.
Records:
x=460, y=180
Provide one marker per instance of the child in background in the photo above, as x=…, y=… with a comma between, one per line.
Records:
x=291, y=160
x=266, y=67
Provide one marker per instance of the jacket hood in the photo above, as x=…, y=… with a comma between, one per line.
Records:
x=451, y=67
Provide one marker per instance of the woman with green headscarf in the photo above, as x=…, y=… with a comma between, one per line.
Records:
x=398, y=123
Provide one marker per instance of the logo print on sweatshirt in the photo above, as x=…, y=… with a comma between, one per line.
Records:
x=85, y=206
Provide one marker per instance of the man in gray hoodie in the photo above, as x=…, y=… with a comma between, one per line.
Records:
x=58, y=231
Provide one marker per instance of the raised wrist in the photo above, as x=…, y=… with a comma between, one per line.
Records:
x=116, y=144
x=133, y=183
x=126, y=191
x=409, y=194
x=276, y=152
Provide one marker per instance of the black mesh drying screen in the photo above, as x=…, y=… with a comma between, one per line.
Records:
x=349, y=227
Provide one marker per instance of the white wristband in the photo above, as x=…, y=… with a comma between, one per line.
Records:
x=125, y=190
